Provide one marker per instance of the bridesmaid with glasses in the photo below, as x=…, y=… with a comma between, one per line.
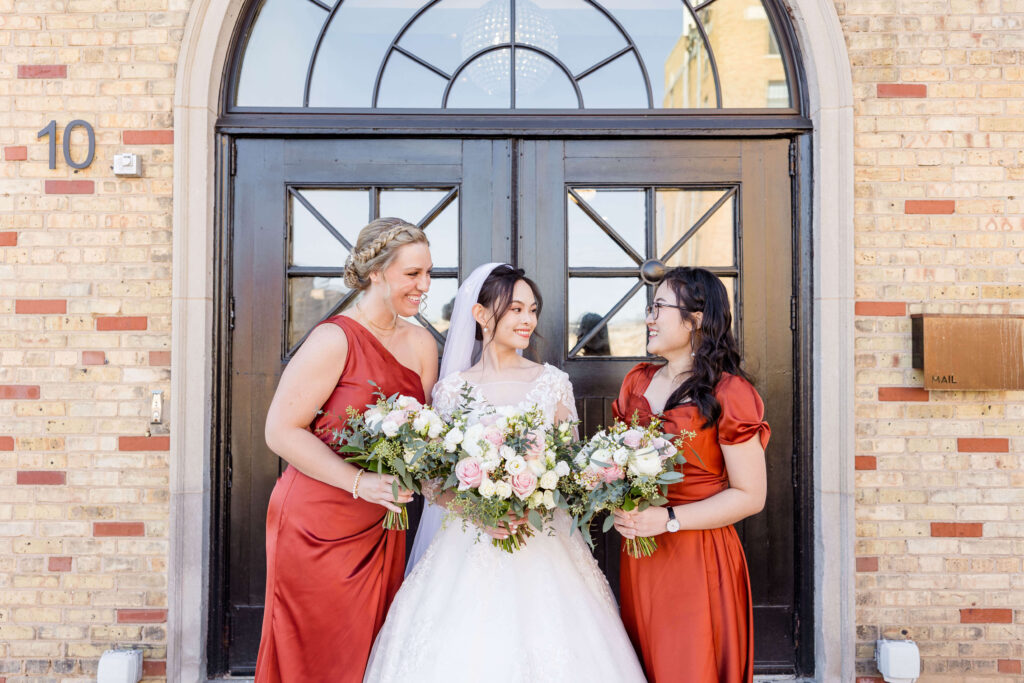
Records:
x=687, y=607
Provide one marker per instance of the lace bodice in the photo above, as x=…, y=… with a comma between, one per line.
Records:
x=551, y=391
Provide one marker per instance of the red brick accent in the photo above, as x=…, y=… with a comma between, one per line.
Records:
x=159, y=357
x=956, y=529
x=14, y=391
x=864, y=462
x=867, y=564
x=990, y=445
x=148, y=137
x=151, y=668
x=986, y=616
x=879, y=308
x=1009, y=666
x=70, y=187
x=902, y=394
x=6, y=443
x=118, y=529
x=929, y=206
x=16, y=153
x=42, y=71
x=94, y=358
x=41, y=306
x=121, y=323
x=42, y=478
x=141, y=616
x=902, y=90
x=8, y=239
x=60, y=564
x=144, y=443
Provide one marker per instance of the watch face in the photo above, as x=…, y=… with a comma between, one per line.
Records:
x=673, y=525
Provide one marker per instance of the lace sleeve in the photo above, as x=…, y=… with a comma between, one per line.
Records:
x=447, y=394
x=565, y=406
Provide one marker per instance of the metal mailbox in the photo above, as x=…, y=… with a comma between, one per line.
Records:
x=969, y=352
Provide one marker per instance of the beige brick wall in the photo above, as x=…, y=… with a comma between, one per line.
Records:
x=939, y=131
x=84, y=331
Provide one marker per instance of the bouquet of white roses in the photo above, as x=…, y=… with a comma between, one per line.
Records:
x=506, y=466
x=398, y=436
x=626, y=467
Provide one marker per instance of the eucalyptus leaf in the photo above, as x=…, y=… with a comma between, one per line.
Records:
x=536, y=521
x=609, y=522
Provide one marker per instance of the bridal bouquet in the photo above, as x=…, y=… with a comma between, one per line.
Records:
x=507, y=465
x=628, y=467
x=398, y=436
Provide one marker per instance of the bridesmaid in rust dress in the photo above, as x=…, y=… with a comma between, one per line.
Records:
x=687, y=607
x=332, y=569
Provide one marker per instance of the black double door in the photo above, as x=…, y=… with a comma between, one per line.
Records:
x=586, y=219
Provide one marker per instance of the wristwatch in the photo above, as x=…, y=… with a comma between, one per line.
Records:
x=672, y=525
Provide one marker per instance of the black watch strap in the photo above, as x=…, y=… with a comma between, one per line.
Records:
x=671, y=513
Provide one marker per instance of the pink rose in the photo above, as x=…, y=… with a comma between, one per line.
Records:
x=469, y=473
x=524, y=483
x=632, y=438
x=494, y=436
x=613, y=473
x=536, y=445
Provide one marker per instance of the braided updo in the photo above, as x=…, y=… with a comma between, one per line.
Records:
x=376, y=247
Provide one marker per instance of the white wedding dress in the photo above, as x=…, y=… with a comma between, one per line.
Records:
x=472, y=612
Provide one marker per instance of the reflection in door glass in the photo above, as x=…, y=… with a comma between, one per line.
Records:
x=712, y=244
x=589, y=245
x=590, y=299
x=310, y=300
x=414, y=205
x=440, y=300
x=311, y=243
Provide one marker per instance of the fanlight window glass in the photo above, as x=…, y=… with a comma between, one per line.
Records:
x=512, y=54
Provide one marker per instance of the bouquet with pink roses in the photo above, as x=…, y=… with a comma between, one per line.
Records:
x=398, y=436
x=507, y=465
x=626, y=467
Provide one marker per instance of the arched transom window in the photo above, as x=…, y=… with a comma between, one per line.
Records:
x=513, y=54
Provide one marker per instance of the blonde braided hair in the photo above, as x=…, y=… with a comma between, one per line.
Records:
x=376, y=247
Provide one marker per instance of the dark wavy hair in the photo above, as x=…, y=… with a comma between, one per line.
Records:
x=496, y=293
x=715, y=351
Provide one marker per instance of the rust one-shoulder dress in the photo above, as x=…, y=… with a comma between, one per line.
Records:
x=332, y=569
x=687, y=608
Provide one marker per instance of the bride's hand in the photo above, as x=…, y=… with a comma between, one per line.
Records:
x=377, y=488
x=504, y=529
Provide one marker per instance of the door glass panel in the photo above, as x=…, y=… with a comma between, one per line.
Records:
x=547, y=88
x=589, y=245
x=713, y=244
x=277, y=53
x=310, y=300
x=590, y=299
x=584, y=35
x=452, y=30
x=616, y=85
x=348, y=211
x=746, y=52
x=624, y=209
x=689, y=73
x=485, y=84
x=443, y=231
x=354, y=45
x=311, y=243
x=409, y=84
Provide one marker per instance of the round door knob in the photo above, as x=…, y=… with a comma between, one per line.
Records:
x=652, y=271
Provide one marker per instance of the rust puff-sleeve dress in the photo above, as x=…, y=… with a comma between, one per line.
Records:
x=687, y=608
x=332, y=569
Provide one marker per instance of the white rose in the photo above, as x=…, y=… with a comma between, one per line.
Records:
x=435, y=428
x=422, y=422
x=549, y=499
x=486, y=488
x=408, y=403
x=515, y=464
x=620, y=456
x=503, y=489
x=549, y=480
x=537, y=467
x=471, y=440
x=373, y=417
x=536, y=499
x=452, y=439
x=646, y=462
x=507, y=452
x=390, y=427
x=601, y=455
x=562, y=468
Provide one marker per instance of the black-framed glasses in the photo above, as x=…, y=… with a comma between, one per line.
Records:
x=652, y=310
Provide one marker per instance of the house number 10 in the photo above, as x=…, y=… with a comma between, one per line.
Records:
x=51, y=130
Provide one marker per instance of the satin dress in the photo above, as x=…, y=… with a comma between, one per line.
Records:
x=332, y=569
x=687, y=608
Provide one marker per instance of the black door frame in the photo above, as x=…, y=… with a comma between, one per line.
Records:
x=332, y=126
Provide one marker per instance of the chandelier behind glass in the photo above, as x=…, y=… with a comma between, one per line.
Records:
x=490, y=26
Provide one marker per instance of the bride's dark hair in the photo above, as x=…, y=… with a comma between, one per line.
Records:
x=496, y=293
x=715, y=351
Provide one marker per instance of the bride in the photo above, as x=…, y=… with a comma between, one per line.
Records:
x=469, y=611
